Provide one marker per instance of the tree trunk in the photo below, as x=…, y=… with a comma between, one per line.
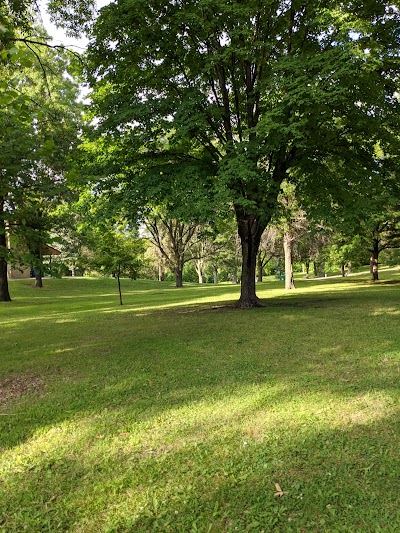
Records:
x=215, y=274
x=119, y=288
x=342, y=270
x=287, y=246
x=321, y=270
x=259, y=268
x=178, y=276
x=4, y=292
x=161, y=272
x=234, y=277
x=374, y=260
x=315, y=269
x=38, y=266
x=38, y=278
x=307, y=269
x=349, y=268
x=250, y=231
x=198, y=264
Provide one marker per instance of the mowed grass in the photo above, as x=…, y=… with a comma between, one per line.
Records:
x=177, y=412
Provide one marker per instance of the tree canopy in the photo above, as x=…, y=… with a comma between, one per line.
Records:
x=223, y=101
x=39, y=123
x=206, y=106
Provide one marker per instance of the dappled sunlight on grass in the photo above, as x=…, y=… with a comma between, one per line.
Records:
x=46, y=445
x=193, y=451
x=331, y=350
x=369, y=408
x=188, y=305
x=387, y=311
x=63, y=350
x=87, y=297
x=177, y=412
x=52, y=316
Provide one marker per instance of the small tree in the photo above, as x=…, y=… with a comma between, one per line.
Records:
x=291, y=224
x=383, y=234
x=270, y=247
x=173, y=238
x=345, y=252
x=117, y=252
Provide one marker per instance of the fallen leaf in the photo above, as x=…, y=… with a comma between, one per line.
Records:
x=279, y=491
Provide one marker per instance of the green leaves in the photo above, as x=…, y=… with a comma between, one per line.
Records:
x=205, y=105
x=206, y=77
x=39, y=121
x=74, y=15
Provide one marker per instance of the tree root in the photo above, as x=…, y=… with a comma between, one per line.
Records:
x=249, y=304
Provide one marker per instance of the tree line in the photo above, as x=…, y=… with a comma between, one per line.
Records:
x=278, y=120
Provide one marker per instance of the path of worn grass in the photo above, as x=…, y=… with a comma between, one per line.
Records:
x=178, y=413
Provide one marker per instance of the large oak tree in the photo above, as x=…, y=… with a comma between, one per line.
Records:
x=231, y=98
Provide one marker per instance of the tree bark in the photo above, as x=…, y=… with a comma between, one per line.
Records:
x=215, y=274
x=287, y=246
x=35, y=249
x=374, y=260
x=4, y=292
x=307, y=269
x=250, y=230
x=198, y=264
x=349, y=268
x=234, y=277
x=38, y=270
x=119, y=288
x=259, y=269
x=342, y=270
x=161, y=272
x=179, y=276
x=38, y=279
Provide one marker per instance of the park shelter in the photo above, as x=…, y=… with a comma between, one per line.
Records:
x=24, y=271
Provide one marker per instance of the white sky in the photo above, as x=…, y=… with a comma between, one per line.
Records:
x=58, y=34
x=59, y=37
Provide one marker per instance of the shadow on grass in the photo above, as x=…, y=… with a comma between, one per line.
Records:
x=239, y=493
x=160, y=418
x=219, y=474
x=192, y=347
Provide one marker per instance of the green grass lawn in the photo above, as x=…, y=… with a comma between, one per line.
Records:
x=177, y=412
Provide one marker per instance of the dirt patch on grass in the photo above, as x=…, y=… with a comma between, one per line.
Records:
x=13, y=388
